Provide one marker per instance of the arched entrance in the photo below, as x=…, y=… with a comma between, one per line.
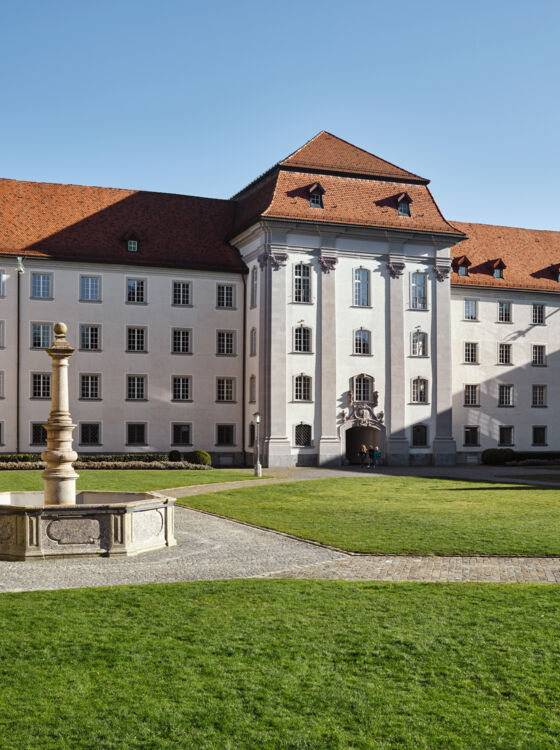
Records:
x=358, y=436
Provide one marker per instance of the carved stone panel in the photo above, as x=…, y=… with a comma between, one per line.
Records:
x=74, y=531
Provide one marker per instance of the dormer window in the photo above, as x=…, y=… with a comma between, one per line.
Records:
x=463, y=271
x=403, y=204
x=497, y=267
x=316, y=193
x=132, y=246
x=462, y=265
x=498, y=273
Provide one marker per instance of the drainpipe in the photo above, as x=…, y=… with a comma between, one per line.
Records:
x=244, y=367
x=20, y=271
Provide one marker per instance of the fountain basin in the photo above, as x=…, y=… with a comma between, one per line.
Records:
x=99, y=524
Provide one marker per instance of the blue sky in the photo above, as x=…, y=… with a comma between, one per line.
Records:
x=201, y=97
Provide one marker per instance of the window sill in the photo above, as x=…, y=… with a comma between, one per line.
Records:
x=539, y=445
x=472, y=406
x=183, y=353
x=418, y=403
x=362, y=307
x=223, y=401
x=470, y=363
x=418, y=309
x=219, y=354
x=45, y=299
x=504, y=364
x=225, y=445
x=506, y=445
x=294, y=352
x=131, y=302
x=89, y=445
x=39, y=398
x=538, y=324
x=136, y=445
x=505, y=322
x=293, y=302
x=183, y=445
x=136, y=351
x=539, y=406
x=86, y=398
x=95, y=302
x=182, y=400
x=471, y=445
x=301, y=401
x=90, y=350
x=535, y=365
x=357, y=354
x=471, y=320
x=218, y=307
x=506, y=406
x=180, y=304
x=137, y=399
x=423, y=356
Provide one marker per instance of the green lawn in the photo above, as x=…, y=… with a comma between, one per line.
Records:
x=123, y=479
x=303, y=665
x=402, y=514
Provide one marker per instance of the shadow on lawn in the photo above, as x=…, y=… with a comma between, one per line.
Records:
x=502, y=488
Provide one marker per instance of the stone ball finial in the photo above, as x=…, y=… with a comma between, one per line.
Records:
x=60, y=329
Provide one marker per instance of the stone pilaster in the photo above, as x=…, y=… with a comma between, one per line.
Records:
x=443, y=447
x=397, y=443
x=329, y=442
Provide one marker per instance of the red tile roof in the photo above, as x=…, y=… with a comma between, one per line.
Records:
x=531, y=257
x=91, y=223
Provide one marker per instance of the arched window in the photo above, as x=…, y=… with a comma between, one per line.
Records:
x=419, y=344
x=253, y=342
x=302, y=283
x=302, y=339
x=251, y=434
x=254, y=283
x=252, y=389
x=361, y=287
x=303, y=435
x=302, y=388
x=419, y=391
x=362, y=341
x=363, y=387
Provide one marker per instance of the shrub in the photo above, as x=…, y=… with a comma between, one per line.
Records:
x=108, y=465
x=19, y=457
x=199, y=457
x=174, y=456
x=497, y=456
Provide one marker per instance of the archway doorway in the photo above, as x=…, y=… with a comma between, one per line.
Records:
x=357, y=436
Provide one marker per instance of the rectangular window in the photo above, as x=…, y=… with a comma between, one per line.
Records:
x=361, y=287
x=302, y=339
x=471, y=309
x=181, y=388
x=538, y=315
x=419, y=435
x=41, y=335
x=254, y=286
x=181, y=433
x=538, y=396
x=538, y=355
x=362, y=342
x=132, y=246
x=302, y=283
x=225, y=342
x=225, y=434
x=41, y=385
x=303, y=435
x=135, y=433
x=1, y=433
x=90, y=433
x=505, y=395
x=135, y=290
x=504, y=354
x=471, y=353
x=471, y=436
x=505, y=435
x=2, y=334
x=419, y=391
x=2, y=289
x=38, y=434
x=471, y=397
x=181, y=293
x=418, y=287
x=504, y=312
x=90, y=288
x=136, y=387
x=253, y=342
x=90, y=386
x=225, y=296
x=136, y=339
x=41, y=286
x=89, y=337
x=225, y=389
x=181, y=341
x=363, y=386
x=539, y=435
x=2, y=379
x=419, y=344
x=302, y=391
x=252, y=389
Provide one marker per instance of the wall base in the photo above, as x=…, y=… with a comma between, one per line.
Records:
x=397, y=452
x=444, y=451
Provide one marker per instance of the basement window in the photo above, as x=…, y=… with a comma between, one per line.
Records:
x=132, y=246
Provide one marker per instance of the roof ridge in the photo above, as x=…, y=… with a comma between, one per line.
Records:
x=506, y=226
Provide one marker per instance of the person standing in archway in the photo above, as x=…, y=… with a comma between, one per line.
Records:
x=363, y=455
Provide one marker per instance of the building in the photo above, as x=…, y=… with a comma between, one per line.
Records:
x=330, y=295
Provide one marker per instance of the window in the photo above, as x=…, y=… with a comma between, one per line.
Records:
x=538, y=315
x=132, y=246
x=40, y=385
x=504, y=312
x=225, y=296
x=41, y=335
x=136, y=387
x=403, y=208
x=252, y=389
x=471, y=395
x=538, y=396
x=362, y=342
x=302, y=283
x=471, y=436
x=316, y=200
x=419, y=344
x=538, y=355
x=225, y=343
x=498, y=273
x=419, y=391
x=363, y=388
x=38, y=434
x=361, y=287
x=418, y=299
x=181, y=387
x=1, y=433
x=225, y=434
x=463, y=270
x=419, y=435
x=471, y=308
x=41, y=284
x=90, y=288
x=2, y=292
x=539, y=435
x=181, y=341
x=181, y=293
x=253, y=342
x=2, y=379
x=90, y=433
x=302, y=339
x=505, y=435
x=135, y=433
x=303, y=435
x=254, y=286
x=136, y=339
x=505, y=395
x=225, y=390
x=2, y=330
x=89, y=337
x=181, y=433
x=471, y=353
x=90, y=386
x=251, y=434
x=504, y=354
x=302, y=388
x=135, y=290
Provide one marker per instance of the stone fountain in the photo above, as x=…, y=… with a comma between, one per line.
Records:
x=60, y=522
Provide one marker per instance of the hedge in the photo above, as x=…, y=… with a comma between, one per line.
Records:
x=84, y=466
x=501, y=456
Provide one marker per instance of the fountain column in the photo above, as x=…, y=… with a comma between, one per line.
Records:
x=59, y=477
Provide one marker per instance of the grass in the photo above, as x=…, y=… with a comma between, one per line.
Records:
x=123, y=479
x=303, y=665
x=402, y=515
